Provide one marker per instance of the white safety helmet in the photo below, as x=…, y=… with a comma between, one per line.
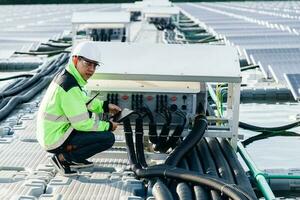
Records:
x=89, y=50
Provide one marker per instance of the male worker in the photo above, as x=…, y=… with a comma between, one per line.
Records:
x=64, y=125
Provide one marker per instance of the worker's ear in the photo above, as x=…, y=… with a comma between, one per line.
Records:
x=75, y=60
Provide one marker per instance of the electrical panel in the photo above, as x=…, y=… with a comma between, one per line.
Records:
x=102, y=34
x=176, y=103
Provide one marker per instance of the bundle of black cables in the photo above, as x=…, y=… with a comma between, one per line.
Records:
x=23, y=91
x=169, y=171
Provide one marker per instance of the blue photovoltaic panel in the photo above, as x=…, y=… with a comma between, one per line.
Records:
x=278, y=69
x=279, y=39
x=22, y=25
x=274, y=57
x=293, y=81
x=269, y=40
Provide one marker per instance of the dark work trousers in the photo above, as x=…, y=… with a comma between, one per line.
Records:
x=82, y=145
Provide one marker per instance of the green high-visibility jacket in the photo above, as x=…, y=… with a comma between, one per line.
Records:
x=64, y=108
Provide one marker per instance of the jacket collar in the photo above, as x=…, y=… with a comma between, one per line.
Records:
x=72, y=70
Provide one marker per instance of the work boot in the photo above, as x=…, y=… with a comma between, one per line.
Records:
x=63, y=167
x=81, y=164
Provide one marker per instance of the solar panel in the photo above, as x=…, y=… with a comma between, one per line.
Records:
x=279, y=69
x=293, y=81
x=276, y=58
x=22, y=25
x=267, y=36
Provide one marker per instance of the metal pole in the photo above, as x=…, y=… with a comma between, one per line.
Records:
x=258, y=175
x=281, y=176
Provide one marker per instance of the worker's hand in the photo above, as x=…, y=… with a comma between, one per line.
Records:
x=114, y=125
x=113, y=109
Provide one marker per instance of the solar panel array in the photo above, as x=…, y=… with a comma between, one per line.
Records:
x=25, y=25
x=267, y=33
x=294, y=83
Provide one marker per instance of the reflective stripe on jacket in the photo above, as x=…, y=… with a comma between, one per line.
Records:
x=64, y=109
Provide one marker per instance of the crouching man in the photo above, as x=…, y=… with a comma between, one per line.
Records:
x=64, y=124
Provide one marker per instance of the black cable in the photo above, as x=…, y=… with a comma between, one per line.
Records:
x=173, y=139
x=195, y=165
x=165, y=171
x=4, y=102
x=47, y=70
x=164, y=133
x=224, y=170
x=175, y=136
x=168, y=115
x=184, y=191
x=62, y=45
x=162, y=138
x=130, y=145
x=171, y=142
x=60, y=41
x=170, y=172
x=24, y=94
x=49, y=53
x=249, y=67
x=148, y=112
x=268, y=129
x=238, y=171
x=139, y=143
x=14, y=84
x=161, y=191
x=191, y=140
x=19, y=99
x=209, y=166
x=153, y=133
x=16, y=76
x=152, y=125
x=27, y=83
x=180, y=113
x=265, y=135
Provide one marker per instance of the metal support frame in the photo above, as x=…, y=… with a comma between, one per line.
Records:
x=233, y=105
x=257, y=174
x=232, y=113
x=261, y=177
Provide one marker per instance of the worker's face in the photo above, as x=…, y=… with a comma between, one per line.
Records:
x=85, y=68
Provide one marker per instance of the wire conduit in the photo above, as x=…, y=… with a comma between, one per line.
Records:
x=238, y=171
x=171, y=142
x=189, y=142
x=152, y=125
x=16, y=76
x=30, y=88
x=208, y=165
x=36, y=77
x=19, y=99
x=182, y=175
x=223, y=168
x=164, y=134
x=268, y=129
x=162, y=138
x=195, y=165
x=165, y=171
x=153, y=133
x=183, y=189
x=161, y=191
x=139, y=143
x=130, y=145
